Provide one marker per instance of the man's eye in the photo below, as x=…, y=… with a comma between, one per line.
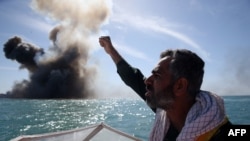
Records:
x=156, y=76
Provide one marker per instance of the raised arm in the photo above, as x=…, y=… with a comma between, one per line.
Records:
x=131, y=76
x=106, y=43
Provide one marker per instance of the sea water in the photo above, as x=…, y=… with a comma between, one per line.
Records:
x=132, y=116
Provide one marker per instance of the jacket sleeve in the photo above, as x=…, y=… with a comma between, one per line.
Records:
x=132, y=77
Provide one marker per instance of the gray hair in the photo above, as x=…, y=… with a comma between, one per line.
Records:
x=186, y=64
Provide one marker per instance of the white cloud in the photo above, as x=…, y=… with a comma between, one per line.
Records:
x=24, y=18
x=132, y=52
x=34, y=23
x=157, y=25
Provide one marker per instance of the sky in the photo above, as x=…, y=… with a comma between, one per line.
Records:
x=217, y=30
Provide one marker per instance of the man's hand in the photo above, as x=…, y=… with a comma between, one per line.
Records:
x=106, y=43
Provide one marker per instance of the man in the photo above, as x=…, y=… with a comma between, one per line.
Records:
x=183, y=111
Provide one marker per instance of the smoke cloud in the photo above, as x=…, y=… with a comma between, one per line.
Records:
x=234, y=76
x=62, y=71
x=237, y=72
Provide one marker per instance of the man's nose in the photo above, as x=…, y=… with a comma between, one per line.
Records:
x=148, y=81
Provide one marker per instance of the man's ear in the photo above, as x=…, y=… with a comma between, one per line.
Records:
x=180, y=86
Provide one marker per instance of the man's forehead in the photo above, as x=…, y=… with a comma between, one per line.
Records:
x=166, y=58
x=164, y=61
x=162, y=64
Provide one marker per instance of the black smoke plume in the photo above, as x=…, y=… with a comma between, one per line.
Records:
x=63, y=70
x=23, y=53
x=64, y=76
